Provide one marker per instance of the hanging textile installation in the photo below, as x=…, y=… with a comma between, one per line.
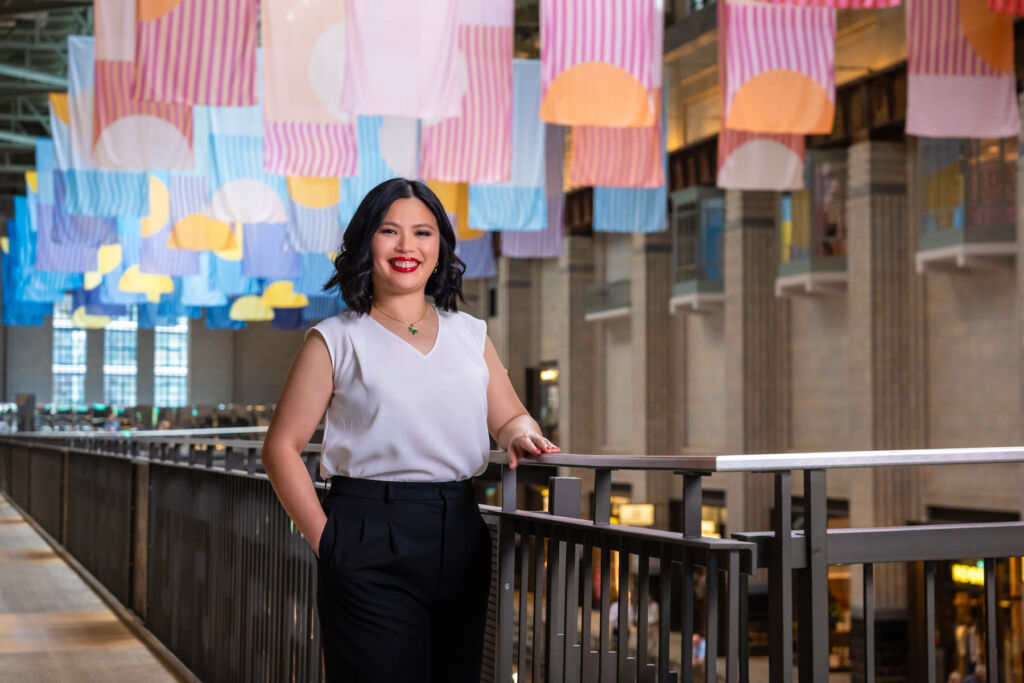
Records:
x=61, y=257
x=1007, y=6
x=158, y=257
x=307, y=133
x=598, y=62
x=316, y=270
x=89, y=192
x=546, y=243
x=779, y=74
x=842, y=4
x=401, y=59
x=196, y=52
x=476, y=145
x=387, y=149
x=313, y=221
x=760, y=161
x=517, y=204
x=263, y=253
x=960, y=70
x=618, y=157
x=127, y=133
x=478, y=255
x=28, y=283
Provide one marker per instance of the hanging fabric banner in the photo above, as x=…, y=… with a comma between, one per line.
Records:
x=478, y=255
x=519, y=203
x=158, y=257
x=130, y=231
x=263, y=253
x=196, y=52
x=130, y=134
x=760, y=161
x=316, y=270
x=16, y=313
x=89, y=191
x=313, y=224
x=779, y=74
x=199, y=289
x=388, y=148
x=627, y=209
x=842, y=4
x=598, y=61
x=42, y=203
x=307, y=132
x=618, y=157
x=476, y=145
x=320, y=307
x=960, y=70
x=546, y=243
x=401, y=59
x=29, y=284
x=219, y=318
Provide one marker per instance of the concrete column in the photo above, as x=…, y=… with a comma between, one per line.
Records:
x=211, y=364
x=144, y=359
x=94, y=366
x=514, y=328
x=29, y=362
x=757, y=358
x=576, y=360
x=886, y=382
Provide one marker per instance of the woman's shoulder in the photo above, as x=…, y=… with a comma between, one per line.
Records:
x=337, y=326
x=471, y=325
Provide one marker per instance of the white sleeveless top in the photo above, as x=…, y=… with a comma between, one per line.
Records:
x=399, y=415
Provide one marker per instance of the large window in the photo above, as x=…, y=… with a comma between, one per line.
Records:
x=170, y=368
x=813, y=221
x=69, y=357
x=120, y=364
x=698, y=220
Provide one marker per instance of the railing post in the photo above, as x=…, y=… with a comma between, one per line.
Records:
x=813, y=618
x=506, y=579
x=563, y=501
x=780, y=585
x=693, y=499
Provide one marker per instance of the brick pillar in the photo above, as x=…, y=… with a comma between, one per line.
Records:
x=576, y=362
x=652, y=349
x=757, y=349
x=887, y=399
x=94, y=366
x=517, y=322
x=144, y=358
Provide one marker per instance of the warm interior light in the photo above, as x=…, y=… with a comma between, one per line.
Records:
x=549, y=375
x=969, y=574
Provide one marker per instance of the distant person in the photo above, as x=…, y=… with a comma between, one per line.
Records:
x=410, y=390
x=112, y=424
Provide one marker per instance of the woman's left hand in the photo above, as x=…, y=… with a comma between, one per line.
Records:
x=528, y=443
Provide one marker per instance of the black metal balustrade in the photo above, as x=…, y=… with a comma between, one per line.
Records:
x=184, y=530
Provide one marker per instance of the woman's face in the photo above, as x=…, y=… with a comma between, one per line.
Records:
x=405, y=248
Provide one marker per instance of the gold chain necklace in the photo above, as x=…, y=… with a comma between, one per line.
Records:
x=412, y=326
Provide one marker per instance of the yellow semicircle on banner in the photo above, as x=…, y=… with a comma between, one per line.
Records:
x=782, y=101
x=455, y=199
x=32, y=180
x=250, y=309
x=108, y=257
x=989, y=33
x=233, y=253
x=5, y=245
x=199, y=232
x=597, y=94
x=84, y=321
x=91, y=280
x=281, y=295
x=59, y=104
x=314, y=193
x=159, y=208
x=135, y=281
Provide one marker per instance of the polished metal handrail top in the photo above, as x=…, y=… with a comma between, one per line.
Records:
x=139, y=433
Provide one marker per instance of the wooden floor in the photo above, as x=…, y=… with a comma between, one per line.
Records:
x=52, y=626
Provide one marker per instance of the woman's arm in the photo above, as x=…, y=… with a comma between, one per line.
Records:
x=302, y=403
x=507, y=419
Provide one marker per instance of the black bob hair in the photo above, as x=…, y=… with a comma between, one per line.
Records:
x=353, y=267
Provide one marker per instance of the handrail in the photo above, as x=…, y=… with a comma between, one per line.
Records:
x=141, y=433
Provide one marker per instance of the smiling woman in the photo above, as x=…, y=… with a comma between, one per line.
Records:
x=408, y=392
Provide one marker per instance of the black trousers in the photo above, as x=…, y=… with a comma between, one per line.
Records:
x=404, y=577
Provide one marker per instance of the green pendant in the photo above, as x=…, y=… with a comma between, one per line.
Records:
x=413, y=329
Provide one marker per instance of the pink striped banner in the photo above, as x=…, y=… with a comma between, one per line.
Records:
x=838, y=4
x=114, y=101
x=595, y=56
x=196, y=52
x=781, y=61
x=618, y=157
x=1007, y=6
x=476, y=147
x=960, y=70
x=299, y=148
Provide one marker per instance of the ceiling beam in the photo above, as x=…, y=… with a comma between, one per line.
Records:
x=33, y=6
x=17, y=139
x=48, y=79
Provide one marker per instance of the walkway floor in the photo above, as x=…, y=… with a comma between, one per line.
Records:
x=53, y=627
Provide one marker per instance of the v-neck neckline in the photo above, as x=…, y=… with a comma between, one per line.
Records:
x=405, y=342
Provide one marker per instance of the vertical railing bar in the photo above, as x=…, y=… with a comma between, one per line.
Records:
x=744, y=629
x=524, y=609
x=711, y=637
x=538, y=603
x=780, y=579
x=664, y=613
x=869, y=623
x=732, y=616
x=604, y=668
x=589, y=667
x=686, y=628
x=507, y=577
x=991, y=637
x=573, y=652
x=555, y=609
x=602, y=496
x=813, y=618
x=642, y=595
x=622, y=642
x=929, y=620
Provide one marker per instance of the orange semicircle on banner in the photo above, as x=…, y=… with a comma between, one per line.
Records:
x=782, y=101
x=199, y=232
x=989, y=33
x=597, y=94
x=61, y=107
x=151, y=10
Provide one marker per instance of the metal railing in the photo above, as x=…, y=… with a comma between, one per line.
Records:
x=186, y=532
